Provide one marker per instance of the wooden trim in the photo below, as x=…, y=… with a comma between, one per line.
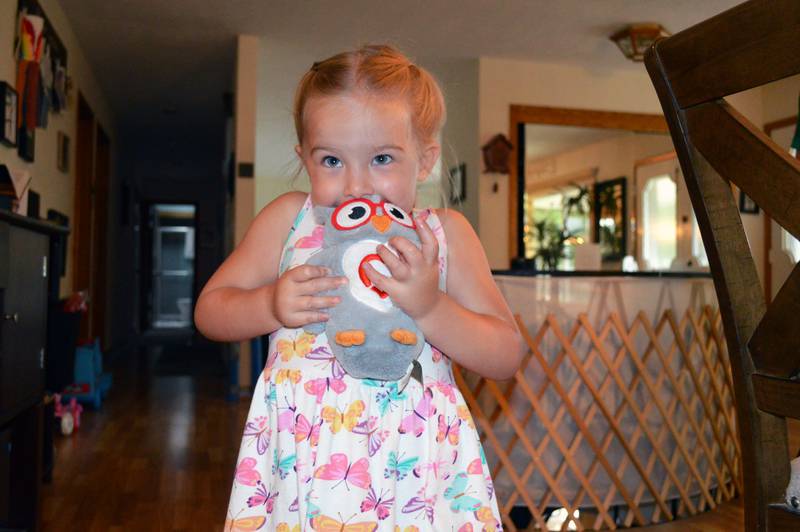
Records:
x=560, y=116
x=777, y=396
x=706, y=61
x=769, y=127
x=778, y=124
x=82, y=210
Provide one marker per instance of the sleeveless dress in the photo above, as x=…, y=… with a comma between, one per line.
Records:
x=327, y=452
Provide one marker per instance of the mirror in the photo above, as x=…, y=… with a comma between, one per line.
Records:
x=592, y=178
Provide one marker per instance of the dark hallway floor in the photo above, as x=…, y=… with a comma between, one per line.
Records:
x=159, y=455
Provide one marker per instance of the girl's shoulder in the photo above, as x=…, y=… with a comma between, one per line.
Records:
x=286, y=206
x=269, y=229
x=455, y=225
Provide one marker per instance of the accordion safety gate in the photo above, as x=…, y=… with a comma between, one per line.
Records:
x=614, y=421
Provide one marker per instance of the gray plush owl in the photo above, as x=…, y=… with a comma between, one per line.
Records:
x=369, y=335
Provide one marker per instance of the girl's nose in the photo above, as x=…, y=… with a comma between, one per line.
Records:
x=358, y=184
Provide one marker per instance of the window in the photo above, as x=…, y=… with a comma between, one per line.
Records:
x=659, y=213
x=790, y=244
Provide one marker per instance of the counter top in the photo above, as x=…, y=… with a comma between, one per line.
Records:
x=603, y=273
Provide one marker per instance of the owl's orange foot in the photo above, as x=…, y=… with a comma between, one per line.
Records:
x=350, y=338
x=404, y=336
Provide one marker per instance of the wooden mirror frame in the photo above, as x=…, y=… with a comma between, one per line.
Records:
x=519, y=115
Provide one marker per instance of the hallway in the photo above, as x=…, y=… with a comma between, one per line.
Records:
x=159, y=455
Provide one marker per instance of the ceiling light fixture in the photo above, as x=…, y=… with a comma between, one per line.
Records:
x=634, y=39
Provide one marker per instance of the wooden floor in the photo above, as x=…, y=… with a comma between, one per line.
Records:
x=160, y=454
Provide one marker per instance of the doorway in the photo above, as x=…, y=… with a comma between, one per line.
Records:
x=92, y=177
x=170, y=266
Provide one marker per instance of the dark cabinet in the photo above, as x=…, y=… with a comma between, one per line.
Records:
x=24, y=250
x=23, y=317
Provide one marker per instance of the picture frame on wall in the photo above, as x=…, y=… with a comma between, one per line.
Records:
x=62, y=159
x=9, y=129
x=26, y=143
x=458, y=183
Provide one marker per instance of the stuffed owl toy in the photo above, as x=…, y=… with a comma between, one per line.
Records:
x=370, y=337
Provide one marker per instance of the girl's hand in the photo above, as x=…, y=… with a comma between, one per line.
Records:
x=414, y=284
x=294, y=301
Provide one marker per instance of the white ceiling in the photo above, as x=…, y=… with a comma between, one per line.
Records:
x=150, y=55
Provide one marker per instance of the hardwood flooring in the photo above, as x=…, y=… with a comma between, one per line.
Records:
x=159, y=455
x=161, y=452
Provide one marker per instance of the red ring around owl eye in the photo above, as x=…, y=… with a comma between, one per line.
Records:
x=397, y=214
x=352, y=213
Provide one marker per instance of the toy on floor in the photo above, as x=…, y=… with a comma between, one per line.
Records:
x=91, y=384
x=369, y=335
x=70, y=414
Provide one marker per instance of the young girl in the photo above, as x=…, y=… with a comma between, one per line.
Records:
x=322, y=450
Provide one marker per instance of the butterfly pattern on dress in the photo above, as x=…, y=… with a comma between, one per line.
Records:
x=282, y=466
x=416, y=420
x=381, y=504
x=457, y=493
x=448, y=431
x=375, y=434
x=244, y=524
x=341, y=470
x=260, y=431
x=298, y=346
x=347, y=419
x=324, y=451
x=262, y=496
x=397, y=467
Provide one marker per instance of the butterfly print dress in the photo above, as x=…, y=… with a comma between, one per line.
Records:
x=327, y=452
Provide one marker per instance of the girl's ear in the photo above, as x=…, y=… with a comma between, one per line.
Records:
x=299, y=151
x=428, y=157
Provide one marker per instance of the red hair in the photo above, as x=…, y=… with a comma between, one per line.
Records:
x=379, y=69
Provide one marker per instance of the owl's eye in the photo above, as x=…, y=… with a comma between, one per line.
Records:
x=397, y=214
x=352, y=214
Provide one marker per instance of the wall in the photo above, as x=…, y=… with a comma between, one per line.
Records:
x=780, y=98
x=248, y=65
x=55, y=187
x=503, y=82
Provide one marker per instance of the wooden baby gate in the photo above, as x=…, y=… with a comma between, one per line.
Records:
x=627, y=425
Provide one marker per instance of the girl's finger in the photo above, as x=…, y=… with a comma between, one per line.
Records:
x=396, y=266
x=307, y=272
x=407, y=250
x=430, y=246
x=323, y=284
x=318, y=302
x=379, y=280
x=311, y=316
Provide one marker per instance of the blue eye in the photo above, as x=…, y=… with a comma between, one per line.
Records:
x=331, y=162
x=382, y=159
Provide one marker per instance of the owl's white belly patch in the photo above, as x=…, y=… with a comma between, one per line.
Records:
x=359, y=285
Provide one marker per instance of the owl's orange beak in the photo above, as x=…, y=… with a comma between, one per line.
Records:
x=381, y=222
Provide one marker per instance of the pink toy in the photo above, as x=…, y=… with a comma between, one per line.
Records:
x=70, y=414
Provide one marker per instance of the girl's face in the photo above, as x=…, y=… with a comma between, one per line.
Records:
x=356, y=145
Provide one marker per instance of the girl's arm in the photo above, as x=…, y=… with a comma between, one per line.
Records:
x=245, y=298
x=472, y=322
